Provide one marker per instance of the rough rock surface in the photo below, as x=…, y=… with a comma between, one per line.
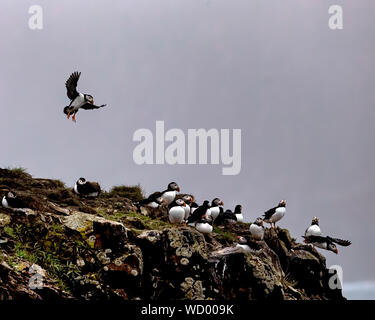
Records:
x=66, y=247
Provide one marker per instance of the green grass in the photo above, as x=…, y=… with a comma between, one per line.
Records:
x=134, y=193
x=223, y=235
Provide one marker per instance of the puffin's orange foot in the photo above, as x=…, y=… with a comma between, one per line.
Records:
x=74, y=117
x=68, y=115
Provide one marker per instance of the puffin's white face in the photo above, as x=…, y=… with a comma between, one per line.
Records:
x=187, y=198
x=11, y=195
x=242, y=240
x=90, y=98
x=81, y=181
x=217, y=202
x=259, y=221
x=181, y=202
x=173, y=186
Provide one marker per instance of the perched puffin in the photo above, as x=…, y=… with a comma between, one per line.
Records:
x=226, y=216
x=257, y=229
x=87, y=188
x=170, y=194
x=326, y=243
x=188, y=199
x=176, y=212
x=10, y=200
x=313, y=229
x=238, y=213
x=242, y=243
x=78, y=100
x=193, y=207
x=199, y=214
x=275, y=214
x=204, y=226
x=216, y=208
x=153, y=201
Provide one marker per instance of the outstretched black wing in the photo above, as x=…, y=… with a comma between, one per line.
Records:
x=71, y=85
x=341, y=242
x=317, y=239
x=268, y=214
x=89, y=106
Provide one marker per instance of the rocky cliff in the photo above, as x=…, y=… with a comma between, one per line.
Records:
x=63, y=247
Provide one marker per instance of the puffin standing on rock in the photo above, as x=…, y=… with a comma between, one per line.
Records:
x=204, y=226
x=199, y=214
x=86, y=188
x=188, y=199
x=176, y=212
x=275, y=214
x=170, y=194
x=238, y=213
x=77, y=100
x=326, y=243
x=10, y=200
x=216, y=208
x=314, y=229
x=242, y=243
x=257, y=229
x=226, y=216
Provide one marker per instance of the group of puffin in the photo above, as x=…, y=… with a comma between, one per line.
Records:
x=184, y=210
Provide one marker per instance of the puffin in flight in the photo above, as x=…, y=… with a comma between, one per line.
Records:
x=10, y=200
x=313, y=229
x=275, y=214
x=257, y=229
x=170, y=194
x=87, y=188
x=326, y=243
x=77, y=100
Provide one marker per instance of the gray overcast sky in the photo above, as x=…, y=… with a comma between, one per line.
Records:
x=302, y=94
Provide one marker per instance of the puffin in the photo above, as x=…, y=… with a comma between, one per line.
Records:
x=204, y=226
x=170, y=194
x=77, y=100
x=327, y=243
x=216, y=208
x=313, y=229
x=226, y=216
x=199, y=214
x=257, y=229
x=176, y=212
x=188, y=199
x=275, y=214
x=153, y=201
x=87, y=188
x=10, y=200
x=193, y=207
x=238, y=213
x=242, y=243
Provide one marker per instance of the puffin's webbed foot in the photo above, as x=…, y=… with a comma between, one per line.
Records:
x=74, y=117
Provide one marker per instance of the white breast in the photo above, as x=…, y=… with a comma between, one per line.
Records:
x=256, y=231
x=76, y=189
x=244, y=247
x=153, y=204
x=4, y=202
x=280, y=212
x=313, y=230
x=187, y=211
x=169, y=196
x=239, y=217
x=192, y=210
x=78, y=102
x=176, y=214
x=320, y=245
x=215, y=212
x=203, y=227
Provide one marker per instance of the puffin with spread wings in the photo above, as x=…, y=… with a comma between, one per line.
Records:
x=78, y=100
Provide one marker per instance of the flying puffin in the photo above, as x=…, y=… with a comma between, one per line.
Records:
x=188, y=199
x=87, y=188
x=199, y=214
x=170, y=194
x=176, y=212
x=204, y=226
x=313, y=229
x=216, y=208
x=257, y=229
x=275, y=214
x=10, y=200
x=326, y=243
x=153, y=201
x=238, y=213
x=226, y=216
x=242, y=243
x=77, y=100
